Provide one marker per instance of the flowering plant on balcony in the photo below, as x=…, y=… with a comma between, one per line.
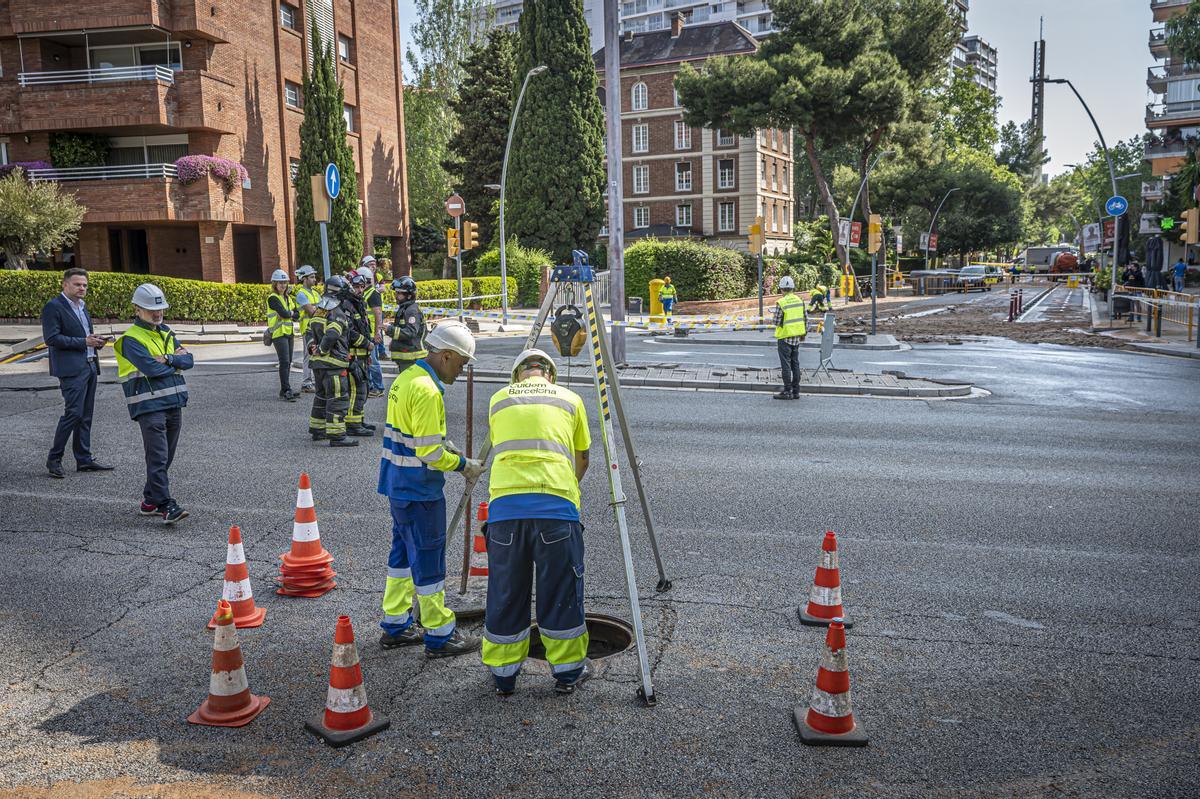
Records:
x=191, y=168
x=24, y=165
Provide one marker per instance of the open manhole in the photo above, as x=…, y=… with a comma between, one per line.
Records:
x=607, y=636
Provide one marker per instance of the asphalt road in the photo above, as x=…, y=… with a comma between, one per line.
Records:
x=1021, y=569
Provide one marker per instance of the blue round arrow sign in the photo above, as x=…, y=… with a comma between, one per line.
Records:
x=1116, y=205
x=333, y=181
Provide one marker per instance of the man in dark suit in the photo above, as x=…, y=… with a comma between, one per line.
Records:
x=74, y=360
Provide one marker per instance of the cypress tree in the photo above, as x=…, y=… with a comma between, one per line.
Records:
x=556, y=179
x=323, y=141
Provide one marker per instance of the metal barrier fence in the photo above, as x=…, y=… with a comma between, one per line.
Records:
x=1156, y=306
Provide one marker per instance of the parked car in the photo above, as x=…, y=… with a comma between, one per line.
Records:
x=976, y=276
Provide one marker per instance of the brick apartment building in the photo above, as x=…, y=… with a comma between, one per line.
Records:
x=690, y=182
x=164, y=79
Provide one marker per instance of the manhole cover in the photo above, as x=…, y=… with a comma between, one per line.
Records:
x=607, y=636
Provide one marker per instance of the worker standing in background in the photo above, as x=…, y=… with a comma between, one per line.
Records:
x=307, y=298
x=790, y=329
x=667, y=296
x=408, y=330
x=416, y=456
x=374, y=302
x=150, y=365
x=361, y=336
x=540, y=442
x=281, y=325
x=817, y=298
x=328, y=343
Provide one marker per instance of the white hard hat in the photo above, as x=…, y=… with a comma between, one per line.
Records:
x=305, y=271
x=280, y=276
x=786, y=283
x=452, y=335
x=533, y=354
x=366, y=272
x=150, y=297
x=367, y=260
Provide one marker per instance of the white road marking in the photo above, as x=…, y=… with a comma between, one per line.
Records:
x=928, y=363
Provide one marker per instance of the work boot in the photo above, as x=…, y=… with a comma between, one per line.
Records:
x=407, y=637
x=795, y=394
x=341, y=441
x=456, y=644
x=359, y=430
x=318, y=435
x=566, y=688
x=367, y=426
x=308, y=388
x=782, y=395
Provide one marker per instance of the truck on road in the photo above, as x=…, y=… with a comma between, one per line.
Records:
x=1041, y=259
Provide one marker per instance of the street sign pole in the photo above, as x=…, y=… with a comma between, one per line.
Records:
x=330, y=183
x=874, y=289
x=760, y=287
x=325, y=249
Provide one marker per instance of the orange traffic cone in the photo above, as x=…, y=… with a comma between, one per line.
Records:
x=479, y=558
x=829, y=720
x=347, y=717
x=825, y=598
x=237, y=586
x=306, y=569
x=229, y=703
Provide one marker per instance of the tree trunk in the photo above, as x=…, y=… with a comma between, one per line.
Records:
x=810, y=149
x=14, y=260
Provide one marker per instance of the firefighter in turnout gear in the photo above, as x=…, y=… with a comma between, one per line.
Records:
x=327, y=340
x=361, y=342
x=540, y=442
x=408, y=331
x=416, y=456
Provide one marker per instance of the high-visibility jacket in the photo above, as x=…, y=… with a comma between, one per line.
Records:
x=149, y=385
x=817, y=291
x=305, y=296
x=282, y=327
x=794, y=317
x=415, y=457
x=408, y=333
x=368, y=294
x=535, y=428
x=667, y=292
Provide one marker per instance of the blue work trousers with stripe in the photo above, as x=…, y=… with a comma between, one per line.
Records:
x=417, y=566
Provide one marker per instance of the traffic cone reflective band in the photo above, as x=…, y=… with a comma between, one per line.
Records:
x=347, y=716
x=829, y=720
x=229, y=703
x=306, y=571
x=479, y=558
x=825, y=598
x=237, y=586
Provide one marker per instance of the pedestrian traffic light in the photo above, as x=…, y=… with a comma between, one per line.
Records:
x=1189, y=228
x=451, y=242
x=874, y=233
x=756, y=236
x=470, y=236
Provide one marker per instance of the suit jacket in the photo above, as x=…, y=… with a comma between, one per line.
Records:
x=65, y=337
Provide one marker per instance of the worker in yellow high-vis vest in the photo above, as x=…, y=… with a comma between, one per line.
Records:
x=540, y=442
x=281, y=326
x=790, y=329
x=307, y=296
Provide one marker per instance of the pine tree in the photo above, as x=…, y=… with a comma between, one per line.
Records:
x=484, y=109
x=323, y=141
x=556, y=178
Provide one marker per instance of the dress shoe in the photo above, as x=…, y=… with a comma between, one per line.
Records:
x=94, y=466
x=55, y=469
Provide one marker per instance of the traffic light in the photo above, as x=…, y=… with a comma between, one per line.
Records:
x=874, y=233
x=451, y=242
x=756, y=236
x=1189, y=228
x=470, y=236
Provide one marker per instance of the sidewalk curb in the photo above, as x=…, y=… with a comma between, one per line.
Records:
x=767, y=342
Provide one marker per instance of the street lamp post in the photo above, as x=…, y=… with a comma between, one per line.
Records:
x=512, y=124
x=854, y=208
x=933, y=222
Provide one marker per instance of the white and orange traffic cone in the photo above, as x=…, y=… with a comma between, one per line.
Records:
x=229, y=703
x=825, y=598
x=479, y=558
x=347, y=717
x=829, y=718
x=236, y=590
x=306, y=569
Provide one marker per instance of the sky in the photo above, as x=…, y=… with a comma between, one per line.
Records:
x=1100, y=45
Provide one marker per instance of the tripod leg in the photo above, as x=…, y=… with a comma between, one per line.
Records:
x=664, y=584
x=646, y=691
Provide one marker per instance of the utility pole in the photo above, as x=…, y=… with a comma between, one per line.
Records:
x=616, y=188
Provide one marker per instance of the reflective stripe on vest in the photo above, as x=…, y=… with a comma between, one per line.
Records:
x=285, y=326
x=137, y=386
x=367, y=295
x=532, y=430
x=794, y=317
x=305, y=296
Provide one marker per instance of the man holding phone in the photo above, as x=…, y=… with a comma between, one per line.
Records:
x=74, y=360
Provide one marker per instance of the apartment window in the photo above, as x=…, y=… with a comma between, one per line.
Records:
x=786, y=218
x=639, y=97
x=725, y=218
x=293, y=169
x=683, y=177
x=763, y=172
x=675, y=96
x=641, y=138
x=774, y=218
x=774, y=177
x=3, y=152
x=291, y=94
x=641, y=180
x=725, y=173
x=683, y=135
x=345, y=48
x=287, y=16
x=641, y=217
x=348, y=115
x=785, y=179
x=683, y=216
x=724, y=138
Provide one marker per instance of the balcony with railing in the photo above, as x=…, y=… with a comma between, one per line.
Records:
x=1158, y=76
x=105, y=75
x=1153, y=190
x=1168, y=114
x=1158, y=42
x=1165, y=9
x=203, y=19
x=1166, y=149
x=145, y=193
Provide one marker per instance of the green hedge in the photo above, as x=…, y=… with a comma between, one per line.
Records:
x=806, y=275
x=448, y=290
x=523, y=264
x=699, y=271
x=23, y=293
